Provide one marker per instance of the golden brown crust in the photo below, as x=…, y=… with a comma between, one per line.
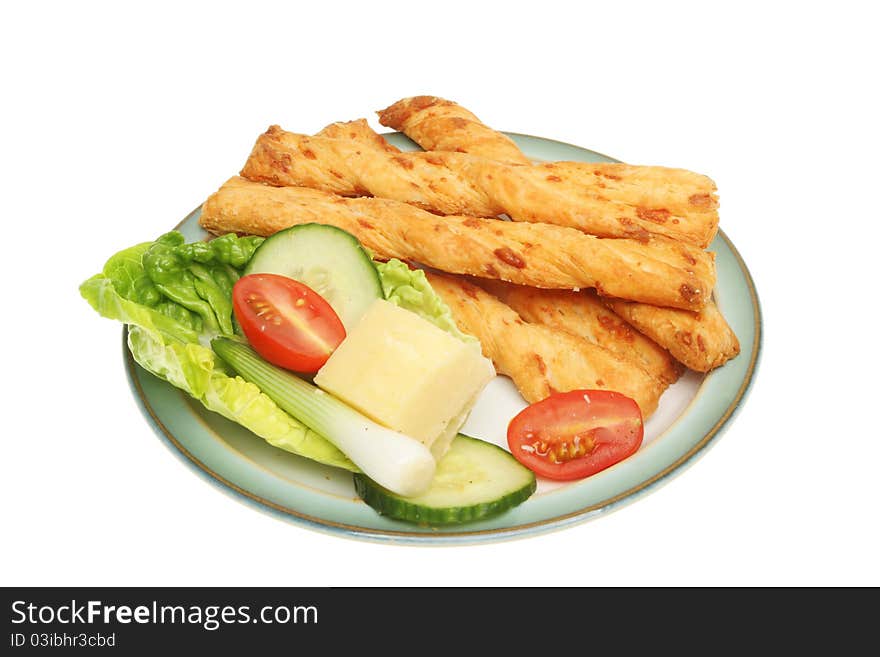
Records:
x=357, y=130
x=658, y=271
x=401, y=112
x=540, y=359
x=584, y=314
x=436, y=124
x=701, y=340
x=608, y=200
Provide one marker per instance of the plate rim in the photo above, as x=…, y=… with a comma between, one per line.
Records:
x=464, y=537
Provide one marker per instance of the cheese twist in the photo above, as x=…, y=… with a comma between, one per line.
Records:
x=606, y=200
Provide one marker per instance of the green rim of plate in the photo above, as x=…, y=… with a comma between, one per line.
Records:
x=194, y=437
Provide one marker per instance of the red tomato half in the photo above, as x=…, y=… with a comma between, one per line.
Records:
x=286, y=322
x=572, y=435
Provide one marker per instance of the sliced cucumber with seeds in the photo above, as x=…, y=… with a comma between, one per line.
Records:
x=329, y=260
x=474, y=480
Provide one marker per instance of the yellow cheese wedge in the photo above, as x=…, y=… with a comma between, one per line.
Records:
x=407, y=374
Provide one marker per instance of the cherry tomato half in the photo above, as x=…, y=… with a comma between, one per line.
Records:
x=286, y=322
x=572, y=435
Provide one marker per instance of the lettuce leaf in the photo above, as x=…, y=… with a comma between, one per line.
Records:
x=410, y=289
x=199, y=276
x=131, y=280
x=168, y=339
x=175, y=297
x=195, y=369
x=103, y=296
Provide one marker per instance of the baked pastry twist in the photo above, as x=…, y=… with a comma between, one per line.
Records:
x=540, y=359
x=436, y=124
x=607, y=200
x=658, y=271
x=701, y=341
x=582, y=313
x=358, y=130
x=585, y=315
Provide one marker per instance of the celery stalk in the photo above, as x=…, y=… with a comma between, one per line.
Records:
x=396, y=461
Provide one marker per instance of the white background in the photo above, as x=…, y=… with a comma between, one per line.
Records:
x=118, y=121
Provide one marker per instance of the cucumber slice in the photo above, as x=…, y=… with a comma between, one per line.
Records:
x=473, y=481
x=329, y=260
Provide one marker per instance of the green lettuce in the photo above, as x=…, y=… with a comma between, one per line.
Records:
x=198, y=277
x=175, y=297
x=179, y=289
x=410, y=289
x=169, y=294
x=195, y=369
x=103, y=296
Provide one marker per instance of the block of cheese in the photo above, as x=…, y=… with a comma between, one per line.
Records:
x=407, y=374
